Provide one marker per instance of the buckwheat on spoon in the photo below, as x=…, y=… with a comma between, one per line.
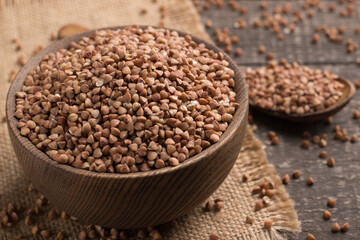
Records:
x=297, y=93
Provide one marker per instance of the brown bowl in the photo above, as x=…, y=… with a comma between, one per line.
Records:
x=134, y=200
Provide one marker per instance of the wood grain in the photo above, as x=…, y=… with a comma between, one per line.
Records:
x=133, y=200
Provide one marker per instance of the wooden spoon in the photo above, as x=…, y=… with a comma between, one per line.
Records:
x=348, y=94
x=70, y=30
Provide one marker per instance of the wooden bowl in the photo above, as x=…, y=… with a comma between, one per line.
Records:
x=135, y=200
x=348, y=94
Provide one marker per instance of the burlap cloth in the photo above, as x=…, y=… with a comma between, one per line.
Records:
x=32, y=21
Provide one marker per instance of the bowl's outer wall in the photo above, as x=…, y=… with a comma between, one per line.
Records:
x=130, y=201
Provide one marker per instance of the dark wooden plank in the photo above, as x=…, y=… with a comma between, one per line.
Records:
x=305, y=52
x=340, y=182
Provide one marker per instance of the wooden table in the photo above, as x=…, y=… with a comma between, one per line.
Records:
x=341, y=182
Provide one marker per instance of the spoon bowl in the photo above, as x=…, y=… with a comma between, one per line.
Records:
x=347, y=95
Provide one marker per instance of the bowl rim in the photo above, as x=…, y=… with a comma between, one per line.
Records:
x=238, y=117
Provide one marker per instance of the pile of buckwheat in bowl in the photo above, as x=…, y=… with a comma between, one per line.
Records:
x=127, y=100
x=293, y=89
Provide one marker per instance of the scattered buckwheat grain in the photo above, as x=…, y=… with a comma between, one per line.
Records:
x=345, y=227
x=331, y=203
x=261, y=49
x=249, y=220
x=326, y=215
x=286, y=179
x=305, y=144
x=335, y=228
x=330, y=162
x=309, y=236
x=268, y=224
x=310, y=181
x=214, y=236
x=296, y=174
x=323, y=154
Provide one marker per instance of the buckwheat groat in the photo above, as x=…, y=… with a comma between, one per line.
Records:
x=127, y=100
